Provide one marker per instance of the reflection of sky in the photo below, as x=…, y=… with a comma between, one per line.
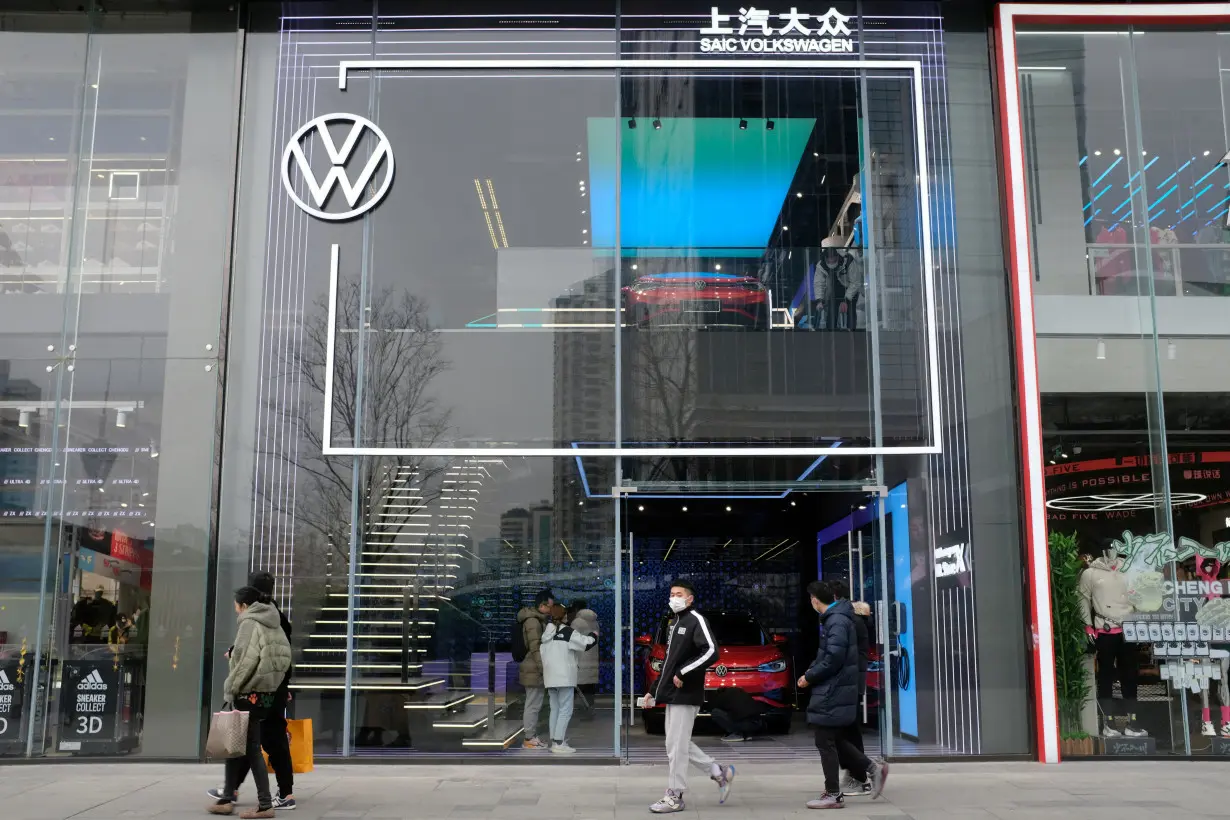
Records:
x=694, y=183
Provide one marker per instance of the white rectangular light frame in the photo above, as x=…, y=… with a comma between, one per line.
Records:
x=914, y=67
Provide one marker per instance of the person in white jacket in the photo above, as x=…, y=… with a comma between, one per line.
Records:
x=585, y=620
x=561, y=651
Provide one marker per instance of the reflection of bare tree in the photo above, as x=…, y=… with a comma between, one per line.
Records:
x=662, y=377
x=390, y=386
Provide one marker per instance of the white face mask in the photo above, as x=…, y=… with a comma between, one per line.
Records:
x=677, y=604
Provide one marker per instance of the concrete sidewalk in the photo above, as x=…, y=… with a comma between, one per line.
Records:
x=988, y=791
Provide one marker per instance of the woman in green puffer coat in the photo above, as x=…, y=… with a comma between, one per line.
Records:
x=259, y=661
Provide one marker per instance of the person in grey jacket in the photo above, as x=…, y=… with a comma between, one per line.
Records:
x=259, y=661
x=833, y=678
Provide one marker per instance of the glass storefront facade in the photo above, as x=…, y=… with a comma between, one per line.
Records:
x=1123, y=128
x=426, y=310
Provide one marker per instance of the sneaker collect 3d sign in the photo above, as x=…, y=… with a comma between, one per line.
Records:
x=763, y=31
x=361, y=166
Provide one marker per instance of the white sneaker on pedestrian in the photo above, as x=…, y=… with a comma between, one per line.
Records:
x=877, y=776
x=724, y=781
x=670, y=803
x=827, y=801
x=853, y=788
x=562, y=748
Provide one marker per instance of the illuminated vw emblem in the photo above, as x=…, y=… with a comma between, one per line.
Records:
x=720, y=670
x=701, y=285
x=360, y=193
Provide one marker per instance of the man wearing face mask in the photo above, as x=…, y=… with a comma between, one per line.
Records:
x=690, y=651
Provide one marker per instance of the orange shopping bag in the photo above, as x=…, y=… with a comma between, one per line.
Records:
x=300, y=732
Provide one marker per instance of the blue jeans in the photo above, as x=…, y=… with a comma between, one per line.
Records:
x=561, y=711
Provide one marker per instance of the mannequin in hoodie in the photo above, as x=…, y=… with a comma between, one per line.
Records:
x=585, y=620
x=1209, y=569
x=562, y=646
x=837, y=284
x=1105, y=606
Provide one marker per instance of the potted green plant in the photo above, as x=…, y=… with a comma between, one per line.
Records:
x=1071, y=674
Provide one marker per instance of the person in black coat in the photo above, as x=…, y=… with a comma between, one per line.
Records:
x=833, y=678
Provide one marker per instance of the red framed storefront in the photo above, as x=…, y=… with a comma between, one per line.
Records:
x=1008, y=17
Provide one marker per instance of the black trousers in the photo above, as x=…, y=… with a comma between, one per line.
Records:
x=1117, y=660
x=837, y=750
x=734, y=726
x=277, y=745
x=237, y=767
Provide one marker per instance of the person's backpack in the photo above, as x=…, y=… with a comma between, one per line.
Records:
x=519, y=649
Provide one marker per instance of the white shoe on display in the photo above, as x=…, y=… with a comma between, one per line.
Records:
x=1132, y=731
x=1207, y=729
x=1225, y=730
x=1111, y=731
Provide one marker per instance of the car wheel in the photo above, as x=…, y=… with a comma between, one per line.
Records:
x=655, y=722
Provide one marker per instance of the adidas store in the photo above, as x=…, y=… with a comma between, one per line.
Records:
x=427, y=311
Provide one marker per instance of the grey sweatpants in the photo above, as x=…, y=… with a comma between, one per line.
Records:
x=680, y=750
x=533, y=706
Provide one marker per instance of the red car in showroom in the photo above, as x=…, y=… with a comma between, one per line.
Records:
x=749, y=659
x=697, y=300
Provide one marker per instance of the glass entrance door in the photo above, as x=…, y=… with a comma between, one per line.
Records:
x=750, y=552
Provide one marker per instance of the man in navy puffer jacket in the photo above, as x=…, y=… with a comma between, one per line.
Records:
x=833, y=678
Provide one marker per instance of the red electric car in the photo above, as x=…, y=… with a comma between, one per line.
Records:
x=697, y=300
x=750, y=660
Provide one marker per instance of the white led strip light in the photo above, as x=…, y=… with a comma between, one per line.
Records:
x=914, y=67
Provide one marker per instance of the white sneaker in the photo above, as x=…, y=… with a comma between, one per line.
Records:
x=670, y=803
x=562, y=748
x=1134, y=732
x=1207, y=729
x=1111, y=731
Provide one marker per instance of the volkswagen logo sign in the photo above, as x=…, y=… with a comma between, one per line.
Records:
x=361, y=192
x=700, y=285
x=720, y=670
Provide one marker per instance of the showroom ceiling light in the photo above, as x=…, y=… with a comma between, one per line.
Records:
x=657, y=124
x=768, y=126
x=632, y=122
x=1117, y=152
x=742, y=125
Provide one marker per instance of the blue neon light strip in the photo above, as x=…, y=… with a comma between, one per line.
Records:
x=1158, y=201
x=1141, y=171
x=1218, y=204
x=1119, y=207
x=1102, y=193
x=1107, y=171
x=1084, y=159
x=1091, y=216
x=1175, y=174
x=1212, y=171
x=1203, y=191
x=1217, y=216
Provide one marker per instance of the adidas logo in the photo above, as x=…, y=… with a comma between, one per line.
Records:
x=5, y=685
x=93, y=681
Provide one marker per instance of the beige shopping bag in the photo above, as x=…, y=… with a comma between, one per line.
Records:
x=228, y=735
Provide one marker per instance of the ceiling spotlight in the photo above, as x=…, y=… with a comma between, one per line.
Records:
x=862, y=506
x=785, y=227
x=640, y=508
x=1206, y=153
x=815, y=153
x=23, y=418
x=1117, y=152
x=685, y=509
x=1101, y=350
x=727, y=508
x=1097, y=153
x=792, y=504
x=717, y=267
x=121, y=418
x=657, y=124
x=633, y=266
x=768, y=126
x=742, y=125
x=632, y=123
x=799, y=194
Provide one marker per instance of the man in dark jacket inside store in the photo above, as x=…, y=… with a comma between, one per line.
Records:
x=833, y=678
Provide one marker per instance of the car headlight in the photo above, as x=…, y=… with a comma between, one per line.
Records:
x=772, y=666
x=655, y=665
